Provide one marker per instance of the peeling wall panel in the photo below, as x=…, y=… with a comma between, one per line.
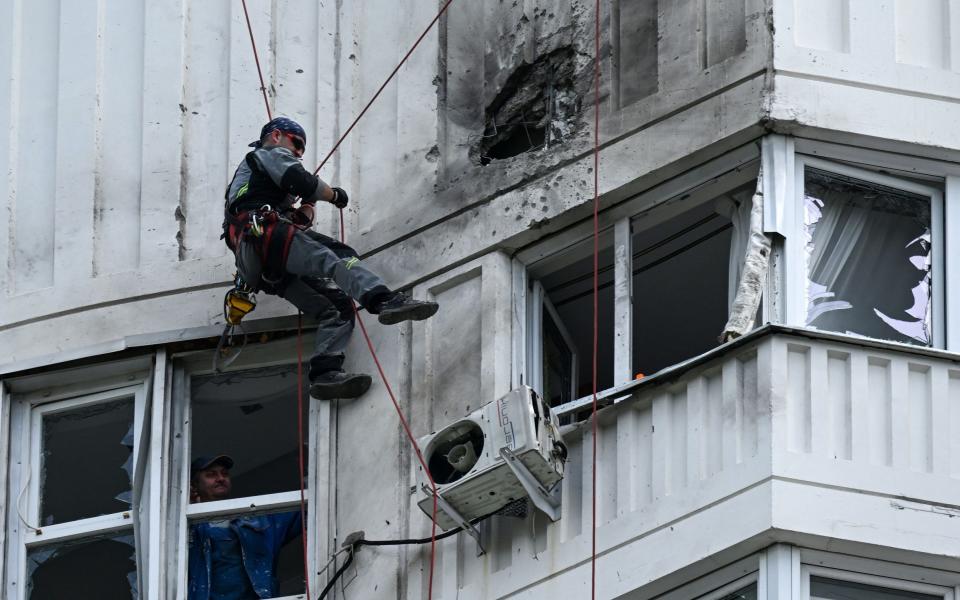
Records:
x=117, y=198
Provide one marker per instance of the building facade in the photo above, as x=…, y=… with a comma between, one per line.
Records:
x=816, y=456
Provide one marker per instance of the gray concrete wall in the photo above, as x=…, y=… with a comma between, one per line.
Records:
x=123, y=133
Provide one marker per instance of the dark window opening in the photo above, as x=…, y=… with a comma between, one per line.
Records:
x=252, y=417
x=833, y=589
x=87, y=461
x=103, y=568
x=570, y=290
x=681, y=285
x=747, y=593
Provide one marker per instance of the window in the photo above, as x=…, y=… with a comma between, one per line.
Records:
x=872, y=253
x=821, y=583
x=73, y=493
x=667, y=276
x=249, y=416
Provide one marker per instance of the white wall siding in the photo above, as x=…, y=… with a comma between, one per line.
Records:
x=819, y=419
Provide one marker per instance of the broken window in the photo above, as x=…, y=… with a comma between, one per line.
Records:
x=250, y=416
x=100, y=437
x=101, y=567
x=869, y=252
x=683, y=281
x=684, y=263
x=78, y=480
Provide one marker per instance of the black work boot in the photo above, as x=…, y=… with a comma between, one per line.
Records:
x=337, y=384
x=399, y=308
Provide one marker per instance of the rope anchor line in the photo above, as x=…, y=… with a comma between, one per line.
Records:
x=383, y=376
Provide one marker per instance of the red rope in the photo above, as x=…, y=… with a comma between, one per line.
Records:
x=303, y=499
x=256, y=59
x=336, y=146
x=596, y=277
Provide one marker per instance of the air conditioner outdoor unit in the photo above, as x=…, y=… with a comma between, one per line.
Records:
x=503, y=451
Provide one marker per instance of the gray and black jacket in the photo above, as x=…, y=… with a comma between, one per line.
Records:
x=271, y=175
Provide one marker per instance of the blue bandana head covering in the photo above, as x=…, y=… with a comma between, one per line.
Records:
x=281, y=124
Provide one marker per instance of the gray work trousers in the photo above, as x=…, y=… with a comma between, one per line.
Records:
x=321, y=276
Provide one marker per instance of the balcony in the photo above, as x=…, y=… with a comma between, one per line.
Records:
x=823, y=440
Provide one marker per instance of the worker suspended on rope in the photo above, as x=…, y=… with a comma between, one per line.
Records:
x=277, y=252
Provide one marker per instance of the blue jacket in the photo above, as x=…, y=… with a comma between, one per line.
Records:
x=261, y=539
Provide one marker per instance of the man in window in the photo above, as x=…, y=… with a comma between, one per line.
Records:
x=233, y=558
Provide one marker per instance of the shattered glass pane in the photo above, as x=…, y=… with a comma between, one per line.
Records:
x=832, y=589
x=869, y=257
x=251, y=416
x=250, y=554
x=86, y=463
x=104, y=568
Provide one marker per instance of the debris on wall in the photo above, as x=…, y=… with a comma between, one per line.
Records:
x=536, y=107
x=753, y=275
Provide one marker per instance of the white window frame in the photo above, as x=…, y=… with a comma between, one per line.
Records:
x=541, y=305
x=642, y=211
x=796, y=276
x=901, y=585
x=719, y=583
x=26, y=414
x=198, y=364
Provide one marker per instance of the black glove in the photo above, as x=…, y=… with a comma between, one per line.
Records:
x=340, y=198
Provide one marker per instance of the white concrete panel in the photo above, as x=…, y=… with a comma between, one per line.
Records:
x=76, y=156
x=33, y=202
x=204, y=165
x=923, y=32
x=117, y=196
x=161, y=177
x=10, y=26
x=822, y=24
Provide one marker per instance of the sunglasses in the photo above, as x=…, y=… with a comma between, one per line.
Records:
x=297, y=142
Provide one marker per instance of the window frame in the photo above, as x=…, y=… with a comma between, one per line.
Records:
x=904, y=585
x=645, y=210
x=796, y=263
x=26, y=411
x=184, y=513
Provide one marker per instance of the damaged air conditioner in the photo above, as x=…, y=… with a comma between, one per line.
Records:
x=504, y=451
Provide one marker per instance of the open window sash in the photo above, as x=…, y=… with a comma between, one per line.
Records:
x=553, y=355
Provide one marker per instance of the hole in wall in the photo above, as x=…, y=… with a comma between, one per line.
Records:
x=537, y=107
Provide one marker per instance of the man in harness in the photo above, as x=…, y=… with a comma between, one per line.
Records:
x=278, y=253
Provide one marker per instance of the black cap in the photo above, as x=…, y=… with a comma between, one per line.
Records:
x=205, y=462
